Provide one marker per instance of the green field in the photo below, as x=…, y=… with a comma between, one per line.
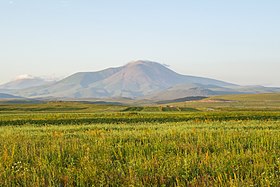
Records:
x=246, y=102
x=182, y=144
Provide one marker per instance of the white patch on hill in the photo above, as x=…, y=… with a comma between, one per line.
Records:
x=24, y=76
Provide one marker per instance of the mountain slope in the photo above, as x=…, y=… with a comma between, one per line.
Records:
x=8, y=96
x=189, y=90
x=23, y=82
x=74, y=86
x=139, y=79
x=144, y=77
x=133, y=80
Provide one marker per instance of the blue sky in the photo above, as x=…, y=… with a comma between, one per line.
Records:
x=236, y=41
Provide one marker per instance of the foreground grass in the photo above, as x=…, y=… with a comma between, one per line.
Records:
x=184, y=153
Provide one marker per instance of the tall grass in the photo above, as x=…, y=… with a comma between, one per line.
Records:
x=188, y=153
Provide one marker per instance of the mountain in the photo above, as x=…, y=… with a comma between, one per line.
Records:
x=133, y=80
x=77, y=85
x=8, y=96
x=137, y=80
x=23, y=82
x=144, y=77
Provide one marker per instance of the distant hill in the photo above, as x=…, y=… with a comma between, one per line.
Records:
x=23, y=82
x=237, y=102
x=144, y=80
x=8, y=96
x=188, y=90
x=250, y=97
x=192, y=98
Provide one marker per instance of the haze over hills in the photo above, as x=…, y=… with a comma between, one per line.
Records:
x=137, y=80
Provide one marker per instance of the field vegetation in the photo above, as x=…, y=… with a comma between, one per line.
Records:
x=179, y=144
x=246, y=102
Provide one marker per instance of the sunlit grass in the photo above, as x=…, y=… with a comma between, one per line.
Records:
x=194, y=153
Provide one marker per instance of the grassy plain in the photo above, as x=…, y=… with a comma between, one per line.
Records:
x=246, y=102
x=182, y=144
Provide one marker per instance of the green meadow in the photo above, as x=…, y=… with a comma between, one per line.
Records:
x=237, y=143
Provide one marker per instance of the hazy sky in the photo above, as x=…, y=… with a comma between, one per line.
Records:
x=232, y=40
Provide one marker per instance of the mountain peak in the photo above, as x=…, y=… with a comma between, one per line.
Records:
x=142, y=62
x=24, y=76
